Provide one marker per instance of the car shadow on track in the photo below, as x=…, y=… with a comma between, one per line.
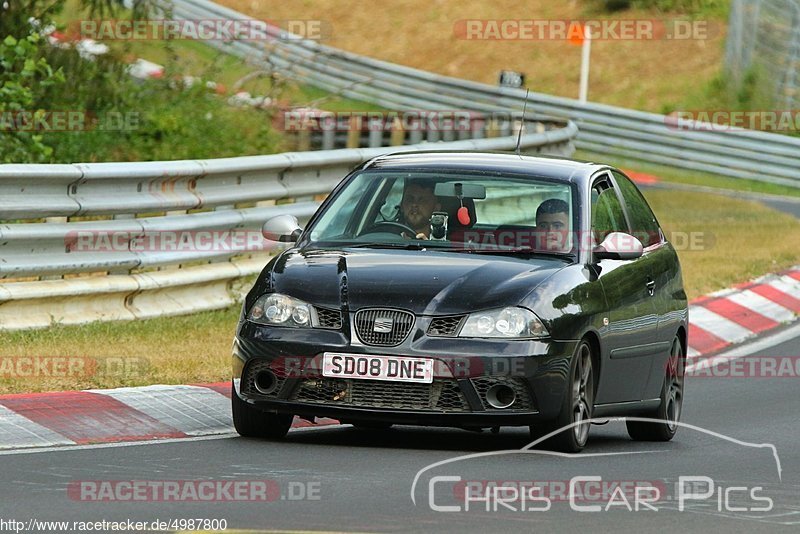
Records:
x=453, y=439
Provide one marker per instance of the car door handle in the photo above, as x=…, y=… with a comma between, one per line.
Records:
x=651, y=287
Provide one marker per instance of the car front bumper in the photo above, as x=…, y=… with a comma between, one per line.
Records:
x=465, y=371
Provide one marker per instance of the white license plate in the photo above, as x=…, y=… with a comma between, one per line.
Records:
x=390, y=368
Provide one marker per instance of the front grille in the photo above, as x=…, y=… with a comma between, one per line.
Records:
x=248, y=382
x=441, y=395
x=329, y=318
x=446, y=326
x=518, y=384
x=383, y=328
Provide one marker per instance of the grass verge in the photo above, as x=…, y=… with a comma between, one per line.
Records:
x=196, y=58
x=646, y=74
x=169, y=350
x=739, y=240
x=682, y=176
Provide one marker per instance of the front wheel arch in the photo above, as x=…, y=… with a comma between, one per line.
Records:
x=593, y=338
x=684, y=338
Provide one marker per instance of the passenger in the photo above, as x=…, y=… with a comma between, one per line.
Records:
x=552, y=224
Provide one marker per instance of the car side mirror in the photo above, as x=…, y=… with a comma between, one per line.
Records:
x=283, y=228
x=619, y=246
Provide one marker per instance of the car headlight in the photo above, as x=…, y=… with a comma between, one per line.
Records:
x=281, y=310
x=509, y=323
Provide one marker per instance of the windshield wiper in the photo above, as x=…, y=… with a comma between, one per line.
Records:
x=516, y=250
x=400, y=246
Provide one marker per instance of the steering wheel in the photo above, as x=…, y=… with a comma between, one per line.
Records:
x=397, y=227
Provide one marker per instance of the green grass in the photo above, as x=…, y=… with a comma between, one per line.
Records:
x=170, y=350
x=740, y=240
x=737, y=240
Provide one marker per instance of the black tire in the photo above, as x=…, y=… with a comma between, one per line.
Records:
x=251, y=422
x=372, y=425
x=577, y=406
x=669, y=411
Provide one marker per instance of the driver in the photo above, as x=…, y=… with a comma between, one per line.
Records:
x=417, y=206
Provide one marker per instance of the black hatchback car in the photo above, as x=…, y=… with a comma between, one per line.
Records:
x=466, y=289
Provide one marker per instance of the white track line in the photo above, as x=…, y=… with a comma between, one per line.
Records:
x=718, y=325
x=193, y=410
x=741, y=351
x=788, y=285
x=762, y=305
x=19, y=431
x=227, y=435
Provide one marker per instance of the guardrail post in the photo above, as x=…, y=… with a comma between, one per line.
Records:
x=492, y=129
x=478, y=126
x=304, y=139
x=433, y=127
x=375, y=133
x=448, y=134
x=416, y=128
x=328, y=132
x=354, y=132
x=398, y=134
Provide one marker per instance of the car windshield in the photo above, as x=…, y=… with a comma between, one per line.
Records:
x=456, y=211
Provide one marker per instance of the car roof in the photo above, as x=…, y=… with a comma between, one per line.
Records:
x=551, y=167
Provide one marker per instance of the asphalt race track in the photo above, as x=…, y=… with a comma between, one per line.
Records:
x=360, y=480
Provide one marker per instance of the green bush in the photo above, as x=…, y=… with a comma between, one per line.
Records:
x=22, y=73
x=124, y=119
x=166, y=123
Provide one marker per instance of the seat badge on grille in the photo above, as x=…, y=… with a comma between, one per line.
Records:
x=383, y=325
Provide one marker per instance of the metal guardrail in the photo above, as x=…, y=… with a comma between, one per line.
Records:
x=119, y=207
x=766, y=34
x=604, y=129
x=128, y=190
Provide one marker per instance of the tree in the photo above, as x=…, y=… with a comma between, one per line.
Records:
x=32, y=74
x=21, y=69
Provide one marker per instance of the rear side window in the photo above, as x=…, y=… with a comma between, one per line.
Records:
x=607, y=214
x=643, y=223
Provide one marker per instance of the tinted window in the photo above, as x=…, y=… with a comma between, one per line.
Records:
x=607, y=215
x=643, y=222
